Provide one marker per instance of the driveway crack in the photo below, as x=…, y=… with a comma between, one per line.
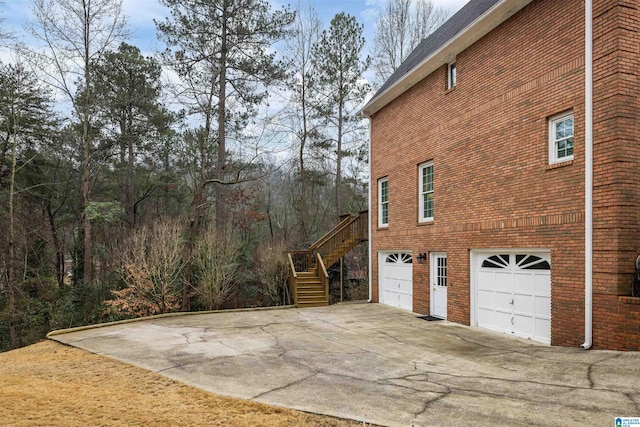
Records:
x=589, y=375
x=431, y=402
x=633, y=401
x=474, y=342
x=392, y=337
x=298, y=381
x=186, y=337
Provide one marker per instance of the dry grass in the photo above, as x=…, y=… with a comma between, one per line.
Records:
x=51, y=384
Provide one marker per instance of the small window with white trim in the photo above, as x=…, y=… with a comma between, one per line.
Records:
x=451, y=75
x=425, y=185
x=383, y=202
x=561, y=138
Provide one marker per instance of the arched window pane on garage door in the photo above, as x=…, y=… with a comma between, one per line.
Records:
x=399, y=259
x=532, y=262
x=496, y=261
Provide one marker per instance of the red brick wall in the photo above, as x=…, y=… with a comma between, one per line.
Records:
x=488, y=139
x=616, y=188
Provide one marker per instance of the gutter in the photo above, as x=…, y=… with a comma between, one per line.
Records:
x=370, y=229
x=588, y=178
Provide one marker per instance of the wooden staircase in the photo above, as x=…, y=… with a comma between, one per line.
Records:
x=310, y=290
x=308, y=278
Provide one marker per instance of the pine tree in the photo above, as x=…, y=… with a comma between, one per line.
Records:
x=343, y=88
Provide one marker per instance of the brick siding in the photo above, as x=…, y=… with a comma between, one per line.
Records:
x=493, y=186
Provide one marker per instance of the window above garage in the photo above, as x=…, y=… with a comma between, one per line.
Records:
x=383, y=202
x=561, y=138
x=452, y=75
x=425, y=185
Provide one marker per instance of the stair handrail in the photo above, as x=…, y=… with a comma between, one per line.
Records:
x=321, y=272
x=293, y=289
x=335, y=230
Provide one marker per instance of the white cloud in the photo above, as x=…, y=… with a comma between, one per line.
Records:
x=372, y=10
x=143, y=12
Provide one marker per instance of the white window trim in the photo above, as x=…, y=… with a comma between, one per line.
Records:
x=451, y=79
x=421, y=168
x=553, y=153
x=380, y=207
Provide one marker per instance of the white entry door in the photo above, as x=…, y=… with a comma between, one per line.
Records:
x=439, y=285
x=513, y=293
x=395, y=279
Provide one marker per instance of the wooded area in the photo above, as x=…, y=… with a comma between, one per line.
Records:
x=133, y=185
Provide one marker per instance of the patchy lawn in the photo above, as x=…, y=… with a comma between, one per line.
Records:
x=52, y=384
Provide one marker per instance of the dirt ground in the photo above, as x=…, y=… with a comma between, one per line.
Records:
x=52, y=384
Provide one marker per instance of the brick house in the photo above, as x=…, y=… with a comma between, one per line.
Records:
x=480, y=171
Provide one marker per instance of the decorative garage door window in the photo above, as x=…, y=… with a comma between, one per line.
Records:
x=399, y=259
x=525, y=262
x=513, y=293
x=395, y=280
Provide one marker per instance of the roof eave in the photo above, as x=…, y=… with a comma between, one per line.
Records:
x=485, y=23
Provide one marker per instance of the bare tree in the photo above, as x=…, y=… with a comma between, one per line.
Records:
x=6, y=37
x=401, y=27
x=72, y=34
x=300, y=120
x=152, y=263
x=216, y=267
x=273, y=270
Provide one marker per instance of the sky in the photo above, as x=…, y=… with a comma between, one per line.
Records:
x=141, y=13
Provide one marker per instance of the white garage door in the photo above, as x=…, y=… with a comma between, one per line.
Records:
x=396, y=279
x=513, y=293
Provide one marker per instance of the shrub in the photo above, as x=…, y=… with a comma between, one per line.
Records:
x=215, y=268
x=273, y=271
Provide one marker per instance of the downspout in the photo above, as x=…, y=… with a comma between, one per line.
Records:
x=370, y=229
x=588, y=179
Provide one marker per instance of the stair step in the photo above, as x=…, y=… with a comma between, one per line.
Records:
x=311, y=299
x=309, y=273
x=310, y=284
x=316, y=285
x=312, y=304
x=311, y=291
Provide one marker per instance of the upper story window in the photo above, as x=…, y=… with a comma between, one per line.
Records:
x=383, y=202
x=425, y=184
x=451, y=75
x=561, y=138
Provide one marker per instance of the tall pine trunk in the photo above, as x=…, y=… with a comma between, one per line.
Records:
x=339, y=164
x=221, y=211
x=87, y=255
x=11, y=262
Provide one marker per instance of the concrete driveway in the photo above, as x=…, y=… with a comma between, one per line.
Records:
x=346, y=360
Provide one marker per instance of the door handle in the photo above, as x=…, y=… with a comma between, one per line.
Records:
x=511, y=302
